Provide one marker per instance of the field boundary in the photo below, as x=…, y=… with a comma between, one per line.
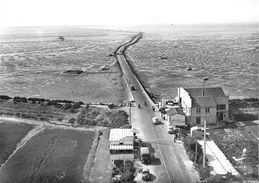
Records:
x=90, y=159
x=25, y=139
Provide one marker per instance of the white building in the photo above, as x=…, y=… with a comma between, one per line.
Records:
x=200, y=104
x=121, y=144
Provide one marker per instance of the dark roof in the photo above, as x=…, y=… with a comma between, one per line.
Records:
x=203, y=101
x=174, y=111
x=215, y=92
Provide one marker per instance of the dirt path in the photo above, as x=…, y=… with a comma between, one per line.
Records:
x=31, y=133
x=54, y=124
x=90, y=159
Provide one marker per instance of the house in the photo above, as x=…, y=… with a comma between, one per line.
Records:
x=121, y=144
x=175, y=117
x=200, y=104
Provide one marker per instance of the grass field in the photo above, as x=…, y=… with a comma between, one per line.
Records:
x=55, y=155
x=10, y=135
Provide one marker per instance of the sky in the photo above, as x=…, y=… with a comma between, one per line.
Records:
x=126, y=12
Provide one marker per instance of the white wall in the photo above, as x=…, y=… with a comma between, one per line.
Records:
x=186, y=101
x=125, y=140
x=177, y=119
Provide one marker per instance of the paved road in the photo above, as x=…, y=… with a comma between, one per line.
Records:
x=167, y=164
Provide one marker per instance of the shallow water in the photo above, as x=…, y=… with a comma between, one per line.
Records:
x=227, y=55
x=32, y=64
x=32, y=60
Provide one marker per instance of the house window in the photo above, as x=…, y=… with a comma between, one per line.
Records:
x=198, y=110
x=221, y=107
x=207, y=110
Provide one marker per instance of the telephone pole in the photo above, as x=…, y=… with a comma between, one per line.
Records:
x=204, y=147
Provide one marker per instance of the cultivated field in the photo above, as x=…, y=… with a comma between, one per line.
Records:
x=10, y=135
x=54, y=155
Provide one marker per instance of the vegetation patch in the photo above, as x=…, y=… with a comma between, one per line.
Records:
x=55, y=155
x=102, y=117
x=232, y=141
x=10, y=135
x=38, y=108
x=244, y=109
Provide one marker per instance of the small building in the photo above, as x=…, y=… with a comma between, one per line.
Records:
x=121, y=144
x=200, y=104
x=175, y=117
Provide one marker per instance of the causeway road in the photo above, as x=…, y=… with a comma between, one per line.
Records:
x=169, y=161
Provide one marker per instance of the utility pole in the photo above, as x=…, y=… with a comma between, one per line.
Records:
x=204, y=147
x=130, y=112
x=196, y=149
x=203, y=86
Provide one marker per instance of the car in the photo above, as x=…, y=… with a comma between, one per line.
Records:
x=132, y=87
x=146, y=174
x=155, y=121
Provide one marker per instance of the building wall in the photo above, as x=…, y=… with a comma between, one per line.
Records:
x=224, y=100
x=177, y=119
x=122, y=156
x=186, y=101
x=125, y=140
x=211, y=117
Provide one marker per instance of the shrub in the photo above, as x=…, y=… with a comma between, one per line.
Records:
x=77, y=105
x=204, y=172
x=60, y=118
x=190, y=146
x=17, y=114
x=20, y=99
x=67, y=106
x=245, y=117
x=72, y=120
x=5, y=97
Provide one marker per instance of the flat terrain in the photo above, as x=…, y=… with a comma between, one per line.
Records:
x=226, y=55
x=33, y=65
x=10, y=135
x=54, y=155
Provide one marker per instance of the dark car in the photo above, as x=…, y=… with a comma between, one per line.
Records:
x=146, y=174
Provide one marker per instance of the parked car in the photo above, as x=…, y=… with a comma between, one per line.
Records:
x=155, y=121
x=132, y=87
x=172, y=130
x=145, y=154
x=146, y=174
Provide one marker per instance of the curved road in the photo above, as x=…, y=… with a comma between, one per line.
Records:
x=168, y=163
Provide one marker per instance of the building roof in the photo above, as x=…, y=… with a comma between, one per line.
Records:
x=117, y=134
x=173, y=111
x=121, y=147
x=203, y=101
x=215, y=92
